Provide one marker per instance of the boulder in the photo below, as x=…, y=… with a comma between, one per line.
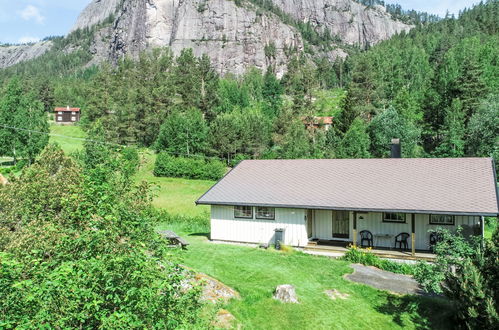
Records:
x=286, y=293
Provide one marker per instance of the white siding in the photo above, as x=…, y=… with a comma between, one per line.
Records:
x=225, y=227
x=374, y=223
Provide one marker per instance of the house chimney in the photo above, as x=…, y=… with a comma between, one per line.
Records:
x=396, y=150
x=68, y=107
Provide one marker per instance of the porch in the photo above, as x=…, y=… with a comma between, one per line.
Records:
x=332, y=246
x=332, y=230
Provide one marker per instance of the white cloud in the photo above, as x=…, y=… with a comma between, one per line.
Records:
x=32, y=13
x=28, y=40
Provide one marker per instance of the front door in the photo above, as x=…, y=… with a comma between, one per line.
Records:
x=341, y=220
x=310, y=220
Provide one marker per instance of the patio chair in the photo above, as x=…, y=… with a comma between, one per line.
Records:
x=401, y=240
x=366, y=235
x=434, y=239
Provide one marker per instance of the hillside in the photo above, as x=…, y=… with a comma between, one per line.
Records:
x=234, y=34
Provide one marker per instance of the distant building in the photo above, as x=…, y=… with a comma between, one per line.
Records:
x=67, y=115
x=318, y=122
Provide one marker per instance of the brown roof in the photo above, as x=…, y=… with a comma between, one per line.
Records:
x=67, y=109
x=424, y=185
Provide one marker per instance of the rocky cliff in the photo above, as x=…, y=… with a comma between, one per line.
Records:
x=11, y=55
x=234, y=36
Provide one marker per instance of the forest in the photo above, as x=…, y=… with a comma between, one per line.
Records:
x=435, y=88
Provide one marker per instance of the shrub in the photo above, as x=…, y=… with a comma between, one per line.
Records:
x=189, y=168
x=466, y=271
x=80, y=250
x=428, y=276
x=364, y=256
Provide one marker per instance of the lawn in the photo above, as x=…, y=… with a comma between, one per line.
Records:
x=173, y=194
x=255, y=273
x=69, y=137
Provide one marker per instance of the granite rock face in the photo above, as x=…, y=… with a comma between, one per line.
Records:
x=96, y=12
x=234, y=37
x=353, y=23
x=11, y=55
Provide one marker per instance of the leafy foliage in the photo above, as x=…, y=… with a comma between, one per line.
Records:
x=23, y=123
x=359, y=255
x=79, y=249
x=466, y=272
x=189, y=168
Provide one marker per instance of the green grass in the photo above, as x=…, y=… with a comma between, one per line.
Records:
x=255, y=273
x=67, y=132
x=175, y=195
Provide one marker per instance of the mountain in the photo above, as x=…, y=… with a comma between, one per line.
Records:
x=235, y=34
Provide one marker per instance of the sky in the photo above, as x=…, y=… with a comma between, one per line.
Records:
x=23, y=21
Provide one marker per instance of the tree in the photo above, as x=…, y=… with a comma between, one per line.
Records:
x=390, y=125
x=355, y=142
x=183, y=133
x=187, y=79
x=295, y=142
x=453, y=141
x=272, y=94
x=483, y=129
x=76, y=253
x=470, y=86
x=24, y=127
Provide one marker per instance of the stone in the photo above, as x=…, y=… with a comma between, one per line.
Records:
x=286, y=293
x=224, y=320
x=215, y=291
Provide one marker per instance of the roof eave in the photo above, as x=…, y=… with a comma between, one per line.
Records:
x=358, y=209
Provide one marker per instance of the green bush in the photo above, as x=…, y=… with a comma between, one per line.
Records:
x=467, y=272
x=364, y=256
x=428, y=276
x=86, y=253
x=189, y=168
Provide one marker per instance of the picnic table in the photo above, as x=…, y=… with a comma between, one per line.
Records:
x=174, y=239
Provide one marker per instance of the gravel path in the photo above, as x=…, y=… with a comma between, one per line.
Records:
x=383, y=280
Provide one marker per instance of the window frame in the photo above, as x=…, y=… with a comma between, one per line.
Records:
x=453, y=217
x=59, y=118
x=264, y=207
x=394, y=221
x=243, y=217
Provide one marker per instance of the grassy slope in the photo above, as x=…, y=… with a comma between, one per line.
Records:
x=255, y=273
x=175, y=195
x=67, y=144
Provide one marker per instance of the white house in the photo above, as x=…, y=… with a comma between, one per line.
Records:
x=336, y=199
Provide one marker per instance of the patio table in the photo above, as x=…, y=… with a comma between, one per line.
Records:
x=379, y=237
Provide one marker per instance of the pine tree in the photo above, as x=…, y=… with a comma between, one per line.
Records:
x=355, y=143
x=453, y=141
x=470, y=86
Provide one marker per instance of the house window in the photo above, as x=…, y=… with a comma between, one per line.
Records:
x=439, y=219
x=245, y=212
x=394, y=217
x=73, y=113
x=59, y=118
x=265, y=213
x=60, y=113
x=73, y=118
